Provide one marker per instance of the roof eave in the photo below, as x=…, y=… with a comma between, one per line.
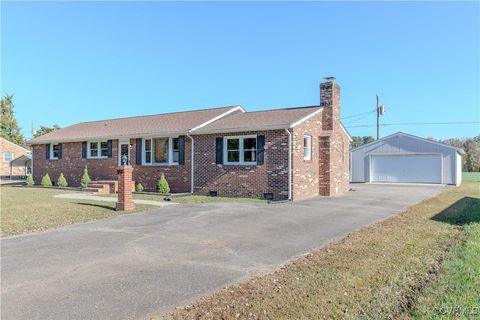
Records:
x=111, y=137
x=242, y=129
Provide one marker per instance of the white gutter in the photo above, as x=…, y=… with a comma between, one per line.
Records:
x=192, y=165
x=289, y=164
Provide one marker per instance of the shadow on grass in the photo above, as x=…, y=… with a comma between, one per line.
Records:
x=103, y=206
x=464, y=211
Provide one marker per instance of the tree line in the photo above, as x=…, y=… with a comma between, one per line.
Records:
x=9, y=127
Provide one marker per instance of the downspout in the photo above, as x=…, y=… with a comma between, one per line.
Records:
x=289, y=164
x=192, y=164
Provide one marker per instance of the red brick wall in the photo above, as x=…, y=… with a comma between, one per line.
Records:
x=305, y=173
x=243, y=181
x=178, y=176
x=72, y=166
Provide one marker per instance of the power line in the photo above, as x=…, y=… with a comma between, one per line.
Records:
x=360, y=118
x=357, y=115
x=414, y=124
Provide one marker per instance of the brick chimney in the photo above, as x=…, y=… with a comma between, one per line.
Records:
x=330, y=101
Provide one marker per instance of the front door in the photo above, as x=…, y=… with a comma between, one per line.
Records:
x=124, y=150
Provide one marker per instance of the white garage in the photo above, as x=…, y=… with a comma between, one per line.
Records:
x=404, y=158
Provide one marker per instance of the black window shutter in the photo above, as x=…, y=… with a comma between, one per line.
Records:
x=109, y=145
x=59, y=151
x=219, y=150
x=138, y=152
x=84, y=149
x=260, y=149
x=47, y=151
x=181, y=150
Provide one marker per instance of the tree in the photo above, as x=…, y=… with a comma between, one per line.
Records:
x=85, y=179
x=44, y=130
x=29, y=182
x=471, y=146
x=9, y=128
x=139, y=187
x=46, y=182
x=358, y=141
x=62, y=182
x=162, y=185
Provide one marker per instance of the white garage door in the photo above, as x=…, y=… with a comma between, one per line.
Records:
x=417, y=168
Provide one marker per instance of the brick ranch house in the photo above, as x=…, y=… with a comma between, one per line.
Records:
x=292, y=153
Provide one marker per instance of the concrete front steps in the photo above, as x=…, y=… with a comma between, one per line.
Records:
x=102, y=187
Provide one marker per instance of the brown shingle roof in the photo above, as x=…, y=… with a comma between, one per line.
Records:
x=258, y=120
x=168, y=123
x=226, y=119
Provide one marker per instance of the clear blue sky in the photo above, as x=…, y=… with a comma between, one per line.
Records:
x=72, y=62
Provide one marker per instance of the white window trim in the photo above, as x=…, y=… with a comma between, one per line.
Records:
x=4, y=158
x=152, y=151
x=51, y=151
x=241, y=150
x=309, y=146
x=99, y=156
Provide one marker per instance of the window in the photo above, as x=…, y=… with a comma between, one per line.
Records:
x=160, y=151
x=54, y=151
x=307, y=147
x=8, y=156
x=240, y=150
x=98, y=149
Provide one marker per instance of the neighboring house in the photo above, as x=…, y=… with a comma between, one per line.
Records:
x=405, y=158
x=292, y=153
x=10, y=152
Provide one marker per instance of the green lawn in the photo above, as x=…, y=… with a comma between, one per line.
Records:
x=26, y=209
x=471, y=176
x=196, y=199
x=457, y=293
x=379, y=272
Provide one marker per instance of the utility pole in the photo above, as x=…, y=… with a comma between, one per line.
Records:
x=378, y=117
x=380, y=112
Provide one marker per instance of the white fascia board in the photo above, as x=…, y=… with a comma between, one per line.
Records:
x=14, y=144
x=306, y=118
x=218, y=117
x=346, y=132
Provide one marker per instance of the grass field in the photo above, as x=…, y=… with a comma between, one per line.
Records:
x=457, y=292
x=196, y=199
x=471, y=176
x=428, y=254
x=26, y=209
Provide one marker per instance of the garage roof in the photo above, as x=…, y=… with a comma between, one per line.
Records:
x=461, y=151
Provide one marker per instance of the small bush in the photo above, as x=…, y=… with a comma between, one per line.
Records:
x=29, y=181
x=62, y=182
x=46, y=182
x=139, y=187
x=162, y=185
x=85, y=179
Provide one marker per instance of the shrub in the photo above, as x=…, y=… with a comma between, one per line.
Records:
x=29, y=181
x=62, y=182
x=162, y=185
x=46, y=182
x=85, y=179
x=139, y=187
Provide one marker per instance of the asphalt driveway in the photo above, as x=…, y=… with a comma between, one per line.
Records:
x=132, y=266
